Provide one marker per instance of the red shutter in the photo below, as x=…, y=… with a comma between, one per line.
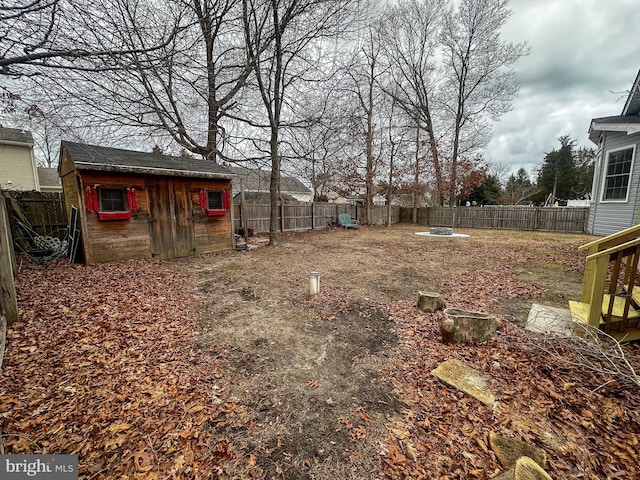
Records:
x=203, y=199
x=132, y=200
x=96, y=201
x=88, y=198
x=226, y=199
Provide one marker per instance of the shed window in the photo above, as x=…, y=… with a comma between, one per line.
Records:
x=618, y=175
x=111, y=203
x=112, y=200
x=215, y=202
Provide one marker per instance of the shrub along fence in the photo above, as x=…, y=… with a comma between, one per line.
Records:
x=548, y=219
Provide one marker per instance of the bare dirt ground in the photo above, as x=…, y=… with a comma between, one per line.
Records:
x=311, y=369
x=224, y=366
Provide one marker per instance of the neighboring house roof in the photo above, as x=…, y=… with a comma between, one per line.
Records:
x=263, y=197
x=49, y=178
x=92, y=157
x=259, y=181
x=16, y=136
x=628, y=121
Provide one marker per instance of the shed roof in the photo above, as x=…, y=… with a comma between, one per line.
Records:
x=16, y=136
x=92, y=157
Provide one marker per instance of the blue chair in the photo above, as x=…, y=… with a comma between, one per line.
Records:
x=345, y=220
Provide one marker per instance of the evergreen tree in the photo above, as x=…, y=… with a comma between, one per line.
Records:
x=487, y=193
x=584, y=171
x=558, y=174
x=517, y=189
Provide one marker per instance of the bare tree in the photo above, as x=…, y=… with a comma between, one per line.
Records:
x=365, y=72
x=185, y=90
x=452, y=75
x=278, y=36
x=316, y=146
x=55, y=34
x=411, y=43
x=398, y=133
x=478, y=74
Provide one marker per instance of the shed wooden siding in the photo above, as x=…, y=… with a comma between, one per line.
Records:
x=105, y=241
x=169, y=222
x=212, y=234
x=609, y=217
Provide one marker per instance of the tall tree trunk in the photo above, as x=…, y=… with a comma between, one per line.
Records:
x=390, y=182
x=212, y=134
x=274, y=189
x=435, y=156
x=278, y=94
x=416, y=178
x=368, y=204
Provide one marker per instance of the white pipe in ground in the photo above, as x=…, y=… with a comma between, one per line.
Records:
x=314, y=283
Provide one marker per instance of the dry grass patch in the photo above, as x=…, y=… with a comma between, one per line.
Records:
x=223, y=366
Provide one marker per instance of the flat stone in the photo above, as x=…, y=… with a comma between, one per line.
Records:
x=524, y=469
x=544, y=319
x=466, y=379
x=550, y=439
x=508, y=450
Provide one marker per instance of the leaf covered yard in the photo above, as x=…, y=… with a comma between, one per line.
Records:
x=103, y=364
x=223, y=366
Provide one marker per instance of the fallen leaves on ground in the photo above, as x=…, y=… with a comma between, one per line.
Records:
x=443, y=433
x=108, y=362
x=103, y=363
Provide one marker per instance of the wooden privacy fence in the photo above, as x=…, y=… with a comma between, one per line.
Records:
x=298, y=216
x=548, y=219
x=45, y=212
x=8, y=302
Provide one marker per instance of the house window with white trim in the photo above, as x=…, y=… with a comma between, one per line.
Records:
x=618, y=174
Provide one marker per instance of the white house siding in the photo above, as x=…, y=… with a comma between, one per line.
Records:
x=606, y=218
x=17, y=168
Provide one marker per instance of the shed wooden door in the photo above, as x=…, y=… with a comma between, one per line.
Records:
x=170, y=223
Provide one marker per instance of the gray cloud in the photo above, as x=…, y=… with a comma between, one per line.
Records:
x=584, y=55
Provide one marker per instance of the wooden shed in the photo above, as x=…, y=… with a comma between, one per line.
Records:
x=143, y=205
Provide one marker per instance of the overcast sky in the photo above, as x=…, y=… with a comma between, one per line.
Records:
x=585, y=55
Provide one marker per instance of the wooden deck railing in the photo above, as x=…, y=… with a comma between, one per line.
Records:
x=599, y=245
x=609, y=281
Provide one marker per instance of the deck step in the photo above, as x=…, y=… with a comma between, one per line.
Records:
x=580, y=310
x=635, y=296
x=580, y=313
x=618, y=329
x=618, y=308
